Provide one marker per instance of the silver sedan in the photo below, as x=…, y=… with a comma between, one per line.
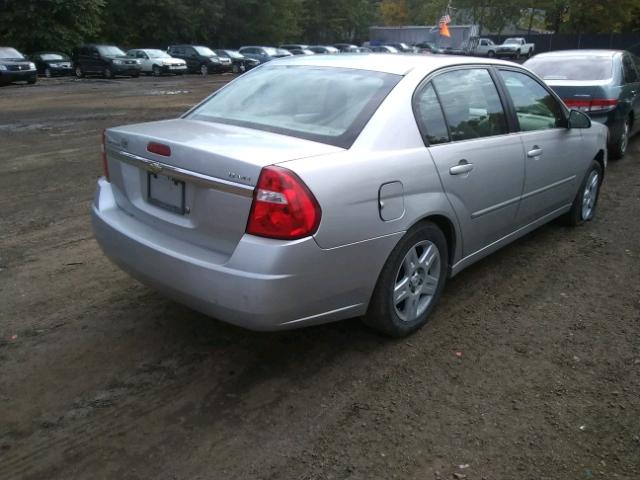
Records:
x=319, y=188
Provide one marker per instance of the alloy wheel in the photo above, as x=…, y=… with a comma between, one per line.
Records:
x=590, y=195
x=156, y=71
x=47, y=72
x=417, y=281
x=204, y=70
x=624, y=139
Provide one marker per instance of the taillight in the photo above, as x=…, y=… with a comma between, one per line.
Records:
x=103, y=149
x=598, y=105
x=283, y=207
x=159, y=149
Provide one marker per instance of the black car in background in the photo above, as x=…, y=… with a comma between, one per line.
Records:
x=106, y=60
x=263, y=54
x=14, y=67
x=201, y=59
x=322, y=49
x=52, y=64
x=346, y=47
x=605, y=84
x=239, y=62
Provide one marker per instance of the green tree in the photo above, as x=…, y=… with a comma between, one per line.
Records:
x=32, y=25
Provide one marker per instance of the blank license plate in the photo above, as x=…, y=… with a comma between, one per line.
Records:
x=166, y=192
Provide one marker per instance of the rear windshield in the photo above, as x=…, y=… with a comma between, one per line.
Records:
x=205, y=51
x=583, y=67
x=10, y=53
x=157, y=54
x=109, y=51
x=53, y=56
x=277, y=99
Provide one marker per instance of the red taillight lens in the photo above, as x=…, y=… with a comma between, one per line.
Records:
x=159, y=149
x=592, y=105
x=105, y=164
x=283, y=207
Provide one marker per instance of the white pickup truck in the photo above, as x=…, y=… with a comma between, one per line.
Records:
x=515, y=47
x=484, y=47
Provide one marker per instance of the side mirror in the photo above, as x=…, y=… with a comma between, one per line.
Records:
x=578, y=119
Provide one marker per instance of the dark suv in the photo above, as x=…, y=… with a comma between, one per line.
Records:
x=201, y=59
x=105, y=60
x=14, y=67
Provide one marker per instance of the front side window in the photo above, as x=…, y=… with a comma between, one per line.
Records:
x=429, y=116
x=536, y=108
x=277, y=99
x=471, y=104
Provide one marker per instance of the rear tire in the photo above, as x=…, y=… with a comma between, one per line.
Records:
x=204, y=70
x=236, y=68
x=491, y=54
x=47, y=73
x=617, y=151
x=411, y=282
x=156, y=71
x=79, y=72
x=107, y=73
x=583, y=208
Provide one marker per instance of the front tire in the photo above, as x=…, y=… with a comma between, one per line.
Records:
x=107, y=73
x=79, y=72
x=491, y=54
x=156, y=71
x=411, y=282
x=47, y=73
x=204, y=70
x=583, y=208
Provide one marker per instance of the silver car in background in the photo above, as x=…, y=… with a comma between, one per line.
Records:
x=271, y=208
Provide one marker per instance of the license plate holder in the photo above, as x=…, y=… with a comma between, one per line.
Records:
x=166, y=192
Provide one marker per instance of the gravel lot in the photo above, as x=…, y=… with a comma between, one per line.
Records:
x=530, y=368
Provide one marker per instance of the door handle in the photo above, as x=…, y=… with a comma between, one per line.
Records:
x=536, y=151
x=462, y=167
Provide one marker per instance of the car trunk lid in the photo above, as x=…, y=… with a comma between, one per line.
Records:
x=201, y=192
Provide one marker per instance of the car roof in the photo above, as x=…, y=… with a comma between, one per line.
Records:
x=398, y=64
x=571, y=53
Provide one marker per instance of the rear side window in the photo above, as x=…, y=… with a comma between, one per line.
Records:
x=471, y=104
x=429, y=116
x=536, y=108
x=629, y=70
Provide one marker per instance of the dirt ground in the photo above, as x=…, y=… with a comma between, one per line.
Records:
x=529, y=369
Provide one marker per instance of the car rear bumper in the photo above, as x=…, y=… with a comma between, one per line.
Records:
x=18, y=76
x=614, y=123
x=264, y=285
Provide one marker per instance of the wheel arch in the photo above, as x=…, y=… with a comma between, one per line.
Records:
x=447, y=226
